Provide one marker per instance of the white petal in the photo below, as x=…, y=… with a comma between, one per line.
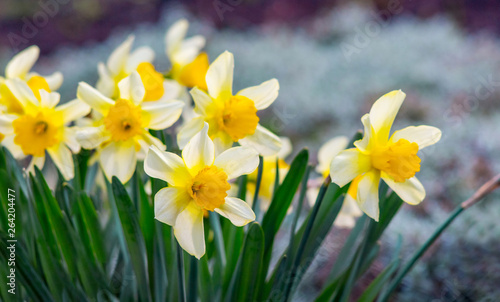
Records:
x=73, y=110
x=138, y=56
x=49, y=99
x=188, y=50
x=236, y=210
x=367, y=195
x=118, y=159
x=199, y=152
x=328, y=151
x=63, y=159
x=383, y=113
x=347, y=165
x=23, y=93
x=410, y=191
x=6, y=123
x=172, y=90
x=188, y=130
x=54, y=80
x=263, y=140
x=35, y=161
x=166, y=166
x=118, y=59
x=189, y=231
x=92, y=137
x=286, y=147
x=424, y=136
x=364, y=144
x=262, y=95
x=219, y=76
x=202, y=101
x=94, y=98
x=222, y=142
x=175, y=35
x=237, y=161
x=169, y=203
x=152, y=141
x=105, y=84
x=70, y=138
x=162, y=114
x=22, y=63
x=131, y=88
x=14, y=149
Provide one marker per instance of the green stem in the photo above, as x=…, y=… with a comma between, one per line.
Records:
x=255, y=202
x=180, y=271
x=219, y=243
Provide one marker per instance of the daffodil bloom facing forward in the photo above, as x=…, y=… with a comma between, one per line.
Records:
x=123, y=62
x=349, y=210
x=121, y=135
x=232, y=118
x=198, y=182
x=377, y=155
x=19, y=68
x=43, y=127
x=189, y=64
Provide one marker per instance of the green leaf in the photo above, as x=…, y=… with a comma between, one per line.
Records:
x=133, y=236
x=245, y=278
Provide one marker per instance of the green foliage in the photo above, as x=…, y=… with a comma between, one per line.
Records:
x=71, y=248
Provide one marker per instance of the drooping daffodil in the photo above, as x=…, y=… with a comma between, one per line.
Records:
x=346, y=218
x=19, y=67
x=123, y=62
x=189, y=63
x=232, y=118
x=379, y=155
x=121, y=136
x=198, y=182
x=42, y=127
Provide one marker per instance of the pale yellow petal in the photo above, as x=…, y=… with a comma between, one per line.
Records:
x=219, y=76
x=328, y=151
x=367, y=194
x=118, y=59
x=383, y=113
x=63, y=159
x=237, y=211
x=94, y=98
x=262, y=95
x=424, y=136
x=364, y=144
x=237, y=161
x=347, y=165
x=73, y=110
x=189, y=130
x=118, y=159
x=169, y=203
x=166, y=166
x=263, y=140
x=162, y=114
x=410, y=191
x=189, y=232
x=131, y=88
x=199, y=152
x=203, y=102
x=22, y=63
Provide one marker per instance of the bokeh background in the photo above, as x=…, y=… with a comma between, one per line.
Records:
x=333, y=59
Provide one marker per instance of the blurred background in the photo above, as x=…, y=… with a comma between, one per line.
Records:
x=333, y=59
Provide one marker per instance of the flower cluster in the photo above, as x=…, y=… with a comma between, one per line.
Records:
x=220, y=136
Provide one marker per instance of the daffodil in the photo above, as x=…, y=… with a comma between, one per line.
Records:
x=198, y=182
x=123, y=62
x=349, y=210
x=232, y=118
x=379, y=155
x=19, y=68
x=121, y=136
x=189, y=63
x=42, y=127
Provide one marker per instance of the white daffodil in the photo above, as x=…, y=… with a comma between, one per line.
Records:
x=232, y=118
x=393, y=158
x=198, y=182
x=349, y=210
x=19, y=68
x=123, y=62
x=121, y=136
x=42, y=127
x=189, y=63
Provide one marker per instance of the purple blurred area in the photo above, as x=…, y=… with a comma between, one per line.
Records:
x=54, y=23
